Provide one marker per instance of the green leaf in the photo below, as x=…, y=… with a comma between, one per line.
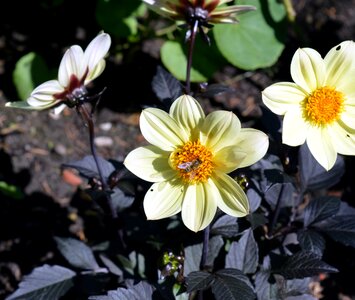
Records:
x=11, y=190
x=206, y=60
x=320, y=209
x=77, y=253
x=257, y=40
x=304, y=264
x=30, y=71
x=244, y=254
x=45, y=282
x=174, y=58
x=232, y=284
x=118, y=17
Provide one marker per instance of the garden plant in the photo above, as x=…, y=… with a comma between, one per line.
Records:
x=210, y=202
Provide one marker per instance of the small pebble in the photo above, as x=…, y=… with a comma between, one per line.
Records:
x=105, y=126
x=103, y=141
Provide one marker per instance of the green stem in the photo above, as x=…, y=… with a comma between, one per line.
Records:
x=291, y=14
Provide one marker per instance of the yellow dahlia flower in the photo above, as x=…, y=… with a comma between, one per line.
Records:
x=319, y=107
x=188, y=159
x=76, y=70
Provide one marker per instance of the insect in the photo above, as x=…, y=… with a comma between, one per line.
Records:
x=190, y=167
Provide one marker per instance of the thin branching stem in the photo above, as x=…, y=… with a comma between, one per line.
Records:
x=87, y=116
x=190, y=55
x=276, y=212
x=206, y=238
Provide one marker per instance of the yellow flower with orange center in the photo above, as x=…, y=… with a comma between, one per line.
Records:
x=319, y=106
x=188, y=159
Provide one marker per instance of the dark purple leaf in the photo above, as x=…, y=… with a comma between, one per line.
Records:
x=232, y=284
x=320, y=209
x=312, y=241
x=244, y=255
x=313, y=175
x=304, y=264
x=87, y=167
x=46, y=282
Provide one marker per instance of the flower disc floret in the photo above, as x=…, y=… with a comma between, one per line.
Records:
x=323, y=106
x=193, y=161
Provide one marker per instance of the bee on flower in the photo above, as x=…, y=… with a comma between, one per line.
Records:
x=188, y=159
x=319, y=106
x=77, y=69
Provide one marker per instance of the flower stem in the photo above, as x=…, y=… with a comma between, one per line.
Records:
x=276, y=212
x=90, y=123
x=206, y=238
x=291, y=14
x=192, y=39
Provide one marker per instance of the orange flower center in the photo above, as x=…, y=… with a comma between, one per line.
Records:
x=323, y=106
x=193, y=161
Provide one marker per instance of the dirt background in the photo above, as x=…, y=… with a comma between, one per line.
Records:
x=33, y=145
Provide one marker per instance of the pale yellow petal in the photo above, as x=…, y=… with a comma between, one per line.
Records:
x=161, y=130
x=348, y=117
x=160, y=7
x=94, y=55
x=188, y=113
x=222, y=1
x=58, y=109
x=25, y=105
x=199, y=206
x=149, y=163
x=343, y=141
x=282, y=97
x=321, y=147
x=219, y=129
x=253, y=142
x=232, y=200
x=229, y=158
x=71, y=64
x=308, y=69
x=294, y=128
x=46, y=91
x=163, y=199
x=43, y=96
x=339, y=61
